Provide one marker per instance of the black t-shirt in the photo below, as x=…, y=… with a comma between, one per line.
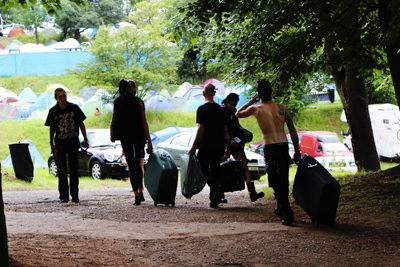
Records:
x=128, y=113
x=213, y=117
x=66, y=121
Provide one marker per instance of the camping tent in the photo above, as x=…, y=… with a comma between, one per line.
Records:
x=21, y=110
x=1, y=47
x=16, y=31
x=28, y=94
x=196, y=90
x=76, y=100
x=219, y=86
x=103, y=94
x=90, y=106
x=35, y=155
x=2, y=118
x=165, y=92
x=8, y=97
x=2, y=90
x=191, y=105
x=87, y=92
x=51, y=88
x=158, y=102
x=182, y=89
x=45, y=101
x=50, y=42
x=39, y=115
x=48, y=32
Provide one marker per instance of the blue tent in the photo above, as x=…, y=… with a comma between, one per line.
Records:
x=159, y=102
x=28, y=94
x=196, y=90
x=35, y=155
x=44, y=101
x=192, y=104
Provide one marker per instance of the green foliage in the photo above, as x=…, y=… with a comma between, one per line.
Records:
x=50, y=5
x=144, y=56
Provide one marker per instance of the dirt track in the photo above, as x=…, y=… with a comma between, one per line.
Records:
x=105, y=229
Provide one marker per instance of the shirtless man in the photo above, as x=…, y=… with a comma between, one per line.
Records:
x=271, y=118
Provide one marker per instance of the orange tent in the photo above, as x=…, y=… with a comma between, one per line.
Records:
x=16, y=31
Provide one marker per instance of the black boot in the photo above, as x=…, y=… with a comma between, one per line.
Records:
x=141, y=196
x=253, y=193
x=285, y=213
x=137, y=200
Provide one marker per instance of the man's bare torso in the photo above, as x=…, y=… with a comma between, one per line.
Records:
x=271, y=120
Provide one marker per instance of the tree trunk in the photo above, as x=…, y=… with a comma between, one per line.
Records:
x=37, y=34
x=352, y=92
x=4, y=260
x=393, y=47
x=360, y=123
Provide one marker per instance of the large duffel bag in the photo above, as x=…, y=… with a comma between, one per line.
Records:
x=232, y=175
x=316, y=191
x=192, y=178
x=161, y=177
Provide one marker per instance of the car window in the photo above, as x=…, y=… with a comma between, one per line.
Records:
x=328, y=138
x=174, y=140
x=335, y=147
x=99, y=139
x=183, y=140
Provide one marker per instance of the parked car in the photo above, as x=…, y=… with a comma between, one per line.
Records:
x=338, y=163
x=180, y=144
x=312, y=143
x=102, y=159
x=259, y=149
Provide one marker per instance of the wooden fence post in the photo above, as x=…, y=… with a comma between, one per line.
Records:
x=4, y=260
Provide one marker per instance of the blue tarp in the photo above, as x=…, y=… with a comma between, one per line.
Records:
x=44, y=63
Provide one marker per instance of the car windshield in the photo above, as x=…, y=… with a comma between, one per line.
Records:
x=335, y=147
x=328, y=138
x=99, y=139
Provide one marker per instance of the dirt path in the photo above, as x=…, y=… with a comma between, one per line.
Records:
x=105, y=229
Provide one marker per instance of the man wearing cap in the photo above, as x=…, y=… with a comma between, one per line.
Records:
x=211, y=139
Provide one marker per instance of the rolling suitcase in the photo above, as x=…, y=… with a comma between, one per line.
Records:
x=316, y=191
x=232, y=175
x=161, y=177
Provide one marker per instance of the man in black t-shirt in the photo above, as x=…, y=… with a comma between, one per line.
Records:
x=65, y=119
x=211, y=138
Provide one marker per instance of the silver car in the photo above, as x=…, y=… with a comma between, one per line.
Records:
x=180, y=144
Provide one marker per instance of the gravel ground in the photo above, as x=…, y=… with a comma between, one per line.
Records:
x=105, y=229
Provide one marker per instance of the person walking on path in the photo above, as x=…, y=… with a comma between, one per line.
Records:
x=129, y=125
x=236, y=143
x=65, y=119
x=211, y=139
x=271, y=118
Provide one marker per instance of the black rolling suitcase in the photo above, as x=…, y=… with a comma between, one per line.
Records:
x=316, y=191
x=232, y=175
x=161, y=177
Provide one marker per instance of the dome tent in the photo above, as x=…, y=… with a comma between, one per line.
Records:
x=90, y=106
x=191, y=105
x=158, y=102
x=45, y=101
x=87, y=92
x=28, y=94
x=15, y=32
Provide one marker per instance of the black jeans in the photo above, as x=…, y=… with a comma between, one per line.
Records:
x=133, y=154
x=62, y=151
x=210, y=160
x=278, y=160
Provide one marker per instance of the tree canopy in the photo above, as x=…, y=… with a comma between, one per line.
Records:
x=287, y=41
x=50, y=5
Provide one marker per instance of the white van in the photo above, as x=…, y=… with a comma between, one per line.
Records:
x=385, y=122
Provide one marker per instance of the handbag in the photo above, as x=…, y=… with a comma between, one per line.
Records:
x=246, y=135
x=192, y=178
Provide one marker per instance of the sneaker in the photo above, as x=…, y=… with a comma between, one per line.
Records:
x=64, y=200
x=224, y=200
x=76, y=200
